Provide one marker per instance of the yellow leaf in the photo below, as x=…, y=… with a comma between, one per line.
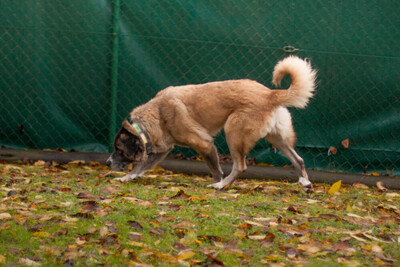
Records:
x=41, y=234
x=335, y=187
x=349, y=208
x=136, y=244
x=184, y=255
x=2, y=259
x=241, y=234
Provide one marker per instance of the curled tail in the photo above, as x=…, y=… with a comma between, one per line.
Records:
x=303, y=82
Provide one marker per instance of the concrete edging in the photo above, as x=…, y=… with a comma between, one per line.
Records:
x=200, y=168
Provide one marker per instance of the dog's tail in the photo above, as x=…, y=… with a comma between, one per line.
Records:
x=303, y=82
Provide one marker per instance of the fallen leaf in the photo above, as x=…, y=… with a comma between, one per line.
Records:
x=28, y=262
x=135, y=236
x=41, y=234
x=374, y=174
x=3, y=259
x=76, y=163
x=291, y=253
x=332, y=150
x=240, y=233
x=62, y=231
x=135, y=225
x=244, y=226
x=5, y=216
x=392, y=195
x=103, y=231
x=184, y=255
x=20, y=219
x=211, y=261
x=83, y=215
x=184, y=224
x=257, y=237
x=136, y=244
x=381, y=186
x=65, y=190
x=360, y=185
x=40, y=163
x=335, y=187
x=180, y=195
x=309, y=248
x=84, y=195
x=345, y=143
x=132, y=256
x=255, y=223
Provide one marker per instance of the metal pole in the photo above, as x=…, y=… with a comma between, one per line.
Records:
x=114, y=70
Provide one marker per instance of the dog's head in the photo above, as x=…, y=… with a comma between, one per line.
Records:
x=128, y=148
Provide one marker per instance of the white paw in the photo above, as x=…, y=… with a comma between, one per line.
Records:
x=306, y=184
x=218, y=185
x=126, y=178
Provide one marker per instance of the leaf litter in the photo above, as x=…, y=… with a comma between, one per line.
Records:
x=76, y=214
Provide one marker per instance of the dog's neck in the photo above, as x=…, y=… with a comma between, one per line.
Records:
x=139, y=127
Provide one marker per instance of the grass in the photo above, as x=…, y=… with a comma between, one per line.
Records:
x=76, y=214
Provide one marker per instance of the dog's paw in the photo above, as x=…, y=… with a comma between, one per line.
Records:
x=219, y=186
x=306, y=185
x=126, y=178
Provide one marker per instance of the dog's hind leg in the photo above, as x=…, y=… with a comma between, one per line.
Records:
x=142, y=167
x=286, y=146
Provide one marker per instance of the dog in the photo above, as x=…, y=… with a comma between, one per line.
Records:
x=191, y=115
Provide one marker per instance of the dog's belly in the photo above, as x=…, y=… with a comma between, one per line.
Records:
x=279, y=121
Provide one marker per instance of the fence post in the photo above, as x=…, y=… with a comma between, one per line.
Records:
x=116, y=5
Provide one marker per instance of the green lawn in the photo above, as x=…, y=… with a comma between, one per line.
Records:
x=76, y=214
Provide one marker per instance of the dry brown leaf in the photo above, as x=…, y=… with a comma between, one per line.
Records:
x=381, y=186
x=309, y=248
x=332, y=150
x=186, y=254
x=346, y=143
x=184, y=224
x=244, y=226
x=240, y=233
x=180, y=195
x=360, y=185
x=103, y=231
x=28, y=262
x=5, y=216
x=40, y=163
x=85, y=195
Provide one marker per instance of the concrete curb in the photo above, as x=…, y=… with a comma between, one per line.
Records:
x=200, y=168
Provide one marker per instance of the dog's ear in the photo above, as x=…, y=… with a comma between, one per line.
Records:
x=133, y=143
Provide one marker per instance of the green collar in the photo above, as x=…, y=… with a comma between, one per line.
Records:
x=143, y=136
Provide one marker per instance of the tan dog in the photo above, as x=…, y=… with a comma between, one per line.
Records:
x=191, y=115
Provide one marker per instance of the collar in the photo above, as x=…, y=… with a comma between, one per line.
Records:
x=145, y=138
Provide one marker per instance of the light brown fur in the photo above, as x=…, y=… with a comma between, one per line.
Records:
x=191, y=115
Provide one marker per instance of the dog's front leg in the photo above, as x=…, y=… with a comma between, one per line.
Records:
x=135, y=173
x=141, y=168
x=212, y=161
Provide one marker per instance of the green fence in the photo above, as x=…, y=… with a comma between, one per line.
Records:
x=70, y=71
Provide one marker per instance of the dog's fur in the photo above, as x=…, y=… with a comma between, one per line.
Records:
x=192, y=115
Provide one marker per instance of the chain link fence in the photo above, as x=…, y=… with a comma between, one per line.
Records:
x=70, y=71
